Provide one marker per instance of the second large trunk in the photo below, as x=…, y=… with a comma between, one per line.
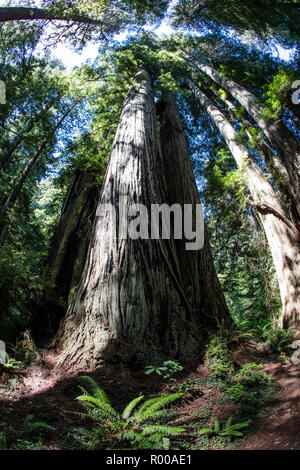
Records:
x=134, y=303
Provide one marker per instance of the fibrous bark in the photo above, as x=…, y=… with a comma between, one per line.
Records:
x=282, y=236
x=70, y=244
x=131, y=304
x=281, y=138
x=196, y=267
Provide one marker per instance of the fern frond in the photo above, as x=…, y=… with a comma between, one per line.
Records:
x=92, y=388
x=239, y=425
x=217, y=424
x=130, y=436
x=103, y=408
x=128, y=410
x=163, y=430
x=154, y=416
x=152, y=405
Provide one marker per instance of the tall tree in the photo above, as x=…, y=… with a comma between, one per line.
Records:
x=281, y=138
x=282, y=235
x=131, y=304
x=264, y=18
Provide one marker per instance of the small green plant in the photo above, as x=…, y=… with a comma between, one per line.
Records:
x=236, y=392
x=277, y=339
x=232, y=333
x=159, y=370
x=228, y=430
x=218, y=358
x=29, y=426
x=134, y=428
x=167, y=369
x=251, y=375
x=25, y=349
x=9, y=362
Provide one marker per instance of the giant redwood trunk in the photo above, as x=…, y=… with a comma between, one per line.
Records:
x=196, y=267
x=70, y=245
x=282, y=235
x=281, y=138
x=131, y=304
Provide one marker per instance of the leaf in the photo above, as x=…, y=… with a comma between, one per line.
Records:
x=168, y=430
x=127, y=411
x=104, y=408
x=94, y=389
x=216, y=424
x=155, y=404
x=204, y=431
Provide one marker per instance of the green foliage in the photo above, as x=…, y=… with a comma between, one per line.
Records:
x=30, y=436
x=10, y=363
x=232, y=333
x=133, y=428
x=236, y=392
x=29, y=426
x=218, y=358
x=168, y=368
x=250, y=375
x=268, y=19
x=277, y=339
x=228, y=430
x=25, y=348
x=277, y=92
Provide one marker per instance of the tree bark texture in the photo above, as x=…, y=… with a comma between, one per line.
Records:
x=131, y=305
x=281, y=138
x=282, y=236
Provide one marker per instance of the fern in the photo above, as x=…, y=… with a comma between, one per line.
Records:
x=131, y=427
x=229, y=429
x=92, y=388
x=150, y=406
x=128, y=410
x=102, y=408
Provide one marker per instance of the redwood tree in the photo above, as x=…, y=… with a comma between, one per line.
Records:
x=281, y=233
x=132, y=304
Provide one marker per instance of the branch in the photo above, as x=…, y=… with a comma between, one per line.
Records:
x=21, y=13
x=267, y=209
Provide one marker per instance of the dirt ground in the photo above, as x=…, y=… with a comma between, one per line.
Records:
x=280, y=430
x=49, y=393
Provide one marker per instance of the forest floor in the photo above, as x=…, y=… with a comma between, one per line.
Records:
x=42, y=393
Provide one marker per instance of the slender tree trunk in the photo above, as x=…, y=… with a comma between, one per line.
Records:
x=131, y=305
x=282, y=236
x=274, y=165
x=69, y=248
x=5, y=157
x=279, y=135
x=10, y=202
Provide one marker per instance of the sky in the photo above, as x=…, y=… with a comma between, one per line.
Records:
x=70, y=58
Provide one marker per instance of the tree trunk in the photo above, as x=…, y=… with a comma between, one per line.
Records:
x=274, y=165
x=281, y=138
x=282, y=236
x=69, y=247
x=196, y=268
x=131, y=305
x=10, y=202
x=5, y=157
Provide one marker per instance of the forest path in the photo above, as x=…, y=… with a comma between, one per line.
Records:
x=280, y=430
x=49, y=394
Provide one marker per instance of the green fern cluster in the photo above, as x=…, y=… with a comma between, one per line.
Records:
x=228, y=430
x=134, y=428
